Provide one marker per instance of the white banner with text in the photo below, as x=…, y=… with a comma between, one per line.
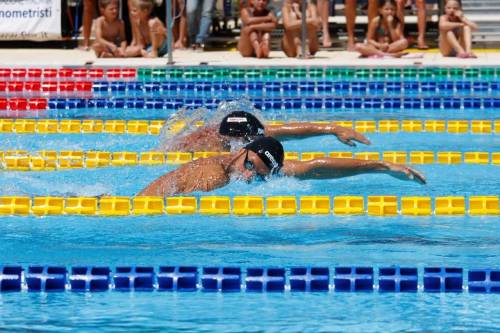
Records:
x=37, y=20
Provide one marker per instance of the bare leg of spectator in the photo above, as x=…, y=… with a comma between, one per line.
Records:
x=452, y=44
x=324, y=13
x=157, y=36
x=350, y=17
x=291, y=44
x=88, y=16
x=180, y=24
x=397, y=46
x=312, y=41
x=368, y=50
x=245, y=44
x=467, y=42
x=182, y=39
x=264, y=45
x=372, y=9
x=421, y=15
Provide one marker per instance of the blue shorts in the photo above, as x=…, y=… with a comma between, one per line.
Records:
x=162, y=50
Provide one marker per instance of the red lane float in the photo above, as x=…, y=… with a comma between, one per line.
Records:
x=45, y=86
x=23, y=104
x=68, y=73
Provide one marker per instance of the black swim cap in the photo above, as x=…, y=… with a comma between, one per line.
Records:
x=270, y=152
x=241, y=124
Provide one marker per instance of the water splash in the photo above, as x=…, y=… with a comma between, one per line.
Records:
x=183, y=122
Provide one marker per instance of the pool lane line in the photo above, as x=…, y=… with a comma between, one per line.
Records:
x=241, y=205
x=51, y=160
x=289, y=89
x=233, y=278
x=255, y=72
x=20, y=106
x=153, y=127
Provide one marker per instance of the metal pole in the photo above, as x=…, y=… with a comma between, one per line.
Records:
x=304, y=27
x=170, y=24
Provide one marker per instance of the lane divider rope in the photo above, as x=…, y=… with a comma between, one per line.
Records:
x=374, y=205
x=153, y=127
x=248, y=279
x=50, y=160
x=274, y=104
x=273, y=88
x=19, y=73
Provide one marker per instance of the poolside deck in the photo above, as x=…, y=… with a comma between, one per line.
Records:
x=51, y=57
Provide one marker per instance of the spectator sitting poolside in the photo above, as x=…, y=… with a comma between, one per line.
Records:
x=292, y=22
x=110, y=31
x=385, y=34
x=149, y=36
x=455, y=31
x=258, y=22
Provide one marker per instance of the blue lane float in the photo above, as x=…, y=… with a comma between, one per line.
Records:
x=309, y=279
x=484, y=281
x=89, y=278
x=134, y=278
x=353, y=279
x=398, y=279
x=389, y=279
x=341, y=88
x=279, y=103
x=177, y=278
x=10, y=278
x=221, y=279
x=443, y=279
x=265, y=279
x=46, y=278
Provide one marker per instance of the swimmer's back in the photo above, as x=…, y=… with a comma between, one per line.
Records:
x=204, y=174
x=203, y=139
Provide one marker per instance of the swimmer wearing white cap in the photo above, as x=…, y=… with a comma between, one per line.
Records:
x=262, y=158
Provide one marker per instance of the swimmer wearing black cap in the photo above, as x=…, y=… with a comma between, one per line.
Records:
x=262, y=158
x=246, y=127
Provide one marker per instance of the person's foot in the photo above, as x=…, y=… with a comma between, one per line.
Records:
x=327, y=41
x=84, y=47
x=422, y=46
x=462, y=55
x=307, y=55
x=471, y=55
x=264, y=50
x=351, y=45
x=178, y=45
x=198, y=47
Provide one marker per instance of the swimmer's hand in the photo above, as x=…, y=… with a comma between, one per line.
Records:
x=348, y=136
x=404, y=172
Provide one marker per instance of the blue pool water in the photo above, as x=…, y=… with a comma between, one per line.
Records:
x=462, y=241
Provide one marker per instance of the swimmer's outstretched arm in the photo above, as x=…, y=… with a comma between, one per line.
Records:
x=324, y=168
x=344, y=134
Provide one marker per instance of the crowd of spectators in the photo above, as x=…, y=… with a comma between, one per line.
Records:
x=141, y=33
